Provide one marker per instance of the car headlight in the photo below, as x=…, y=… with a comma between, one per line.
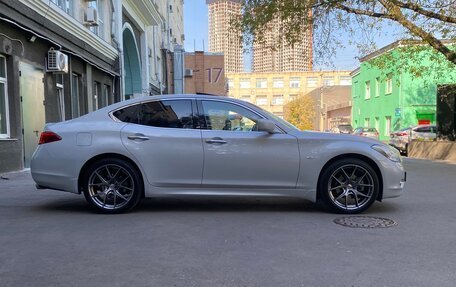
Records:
x=389, y=152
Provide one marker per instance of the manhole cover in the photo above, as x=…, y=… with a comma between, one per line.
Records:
x=365, y=222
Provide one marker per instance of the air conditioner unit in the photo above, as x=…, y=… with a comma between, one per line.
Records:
x=188, y=73
x=91, y=16
x=57, y=61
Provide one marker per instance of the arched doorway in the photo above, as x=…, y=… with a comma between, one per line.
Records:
x=132, y=64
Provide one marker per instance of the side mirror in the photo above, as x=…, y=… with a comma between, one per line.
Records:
x=264, y=125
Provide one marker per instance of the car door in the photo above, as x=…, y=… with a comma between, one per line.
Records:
x=236, y=155
x=166, y=141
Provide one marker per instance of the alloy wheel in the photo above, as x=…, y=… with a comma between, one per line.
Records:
x=351, y=187
x=111, y=186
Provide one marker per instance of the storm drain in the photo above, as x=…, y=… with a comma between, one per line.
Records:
x=365, y=222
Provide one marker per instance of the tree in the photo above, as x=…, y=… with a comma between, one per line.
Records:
x=301, y=112
x=424, y=20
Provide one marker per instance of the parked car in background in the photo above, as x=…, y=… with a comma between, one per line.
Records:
x=366, y=132
x=342, y=129
x=401, y=138
x=345, y=129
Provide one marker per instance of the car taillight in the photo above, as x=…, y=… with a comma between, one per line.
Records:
x=400, y=134
x=48, y=137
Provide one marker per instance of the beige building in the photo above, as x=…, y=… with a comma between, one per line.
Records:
x=272, y=91
x=274, y=55
x=221, y=38
x=332, y=106
x=204, y=73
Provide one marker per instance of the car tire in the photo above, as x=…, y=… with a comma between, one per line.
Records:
x=348, y=186
x=112, y=186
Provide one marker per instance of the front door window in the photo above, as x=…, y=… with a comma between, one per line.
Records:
x=228, y=117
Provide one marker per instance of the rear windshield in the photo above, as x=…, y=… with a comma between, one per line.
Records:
x=345, y=127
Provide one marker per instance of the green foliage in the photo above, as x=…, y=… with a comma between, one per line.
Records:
x=364, y=20
x=301, y=112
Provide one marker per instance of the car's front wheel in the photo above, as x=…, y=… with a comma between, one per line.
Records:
x=112, y=185
x=348, y=186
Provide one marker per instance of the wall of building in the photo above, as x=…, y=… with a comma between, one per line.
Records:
x=31, y=34
x=265, y=90
x=410, y=100
x=208, y=74
x=332, y=106
x=222, y=39
x=275, y=55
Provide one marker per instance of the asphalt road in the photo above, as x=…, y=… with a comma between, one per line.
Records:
x=50, y=238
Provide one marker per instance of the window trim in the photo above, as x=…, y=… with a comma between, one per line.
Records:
x=197, y=108
x=7, y=112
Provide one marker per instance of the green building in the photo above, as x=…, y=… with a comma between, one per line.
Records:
x=396, y=87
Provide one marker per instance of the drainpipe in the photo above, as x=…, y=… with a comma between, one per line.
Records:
x=117, y=39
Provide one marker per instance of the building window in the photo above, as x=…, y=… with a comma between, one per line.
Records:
x=65, y=5
x=75, y=111
x=377, y=87
x=377, y=123
x=4, y=107
x=277, y=100
x=277, y=83
x=244, y=84
x=95, y=95
x=230, y=84
x=345, y=80
x=295, y=82
x=367, y=86
x=328, y=81
x=60, y=96
x=106, y=96
x=246, y=99
x=389, y=84
x=99, y=28
x=312, y=81
x=292, y=97
x=262, y=100
x=387, y=126
x=367, y=122
x=261, y=83
x=355, y=89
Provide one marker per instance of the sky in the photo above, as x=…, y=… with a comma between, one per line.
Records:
x=196, y=38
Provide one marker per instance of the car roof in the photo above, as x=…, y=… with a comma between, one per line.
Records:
x=169, y=97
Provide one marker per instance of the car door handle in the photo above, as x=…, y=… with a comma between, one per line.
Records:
x=140, y=137
x=216, y=141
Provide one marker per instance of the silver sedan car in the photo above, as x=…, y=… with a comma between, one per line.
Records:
x=192, y=145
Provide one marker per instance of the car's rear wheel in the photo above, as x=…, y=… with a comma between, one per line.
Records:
x=348, y=186
x=112, y=185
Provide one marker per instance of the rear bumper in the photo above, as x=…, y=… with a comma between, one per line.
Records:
x=50, y=173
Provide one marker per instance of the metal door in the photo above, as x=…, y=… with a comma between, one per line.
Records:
x=33, y=114
x=237, y=157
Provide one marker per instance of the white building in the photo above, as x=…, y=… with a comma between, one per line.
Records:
x=60, y=59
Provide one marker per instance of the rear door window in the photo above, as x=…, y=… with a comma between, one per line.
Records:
x=167, y=114
x=128, y=115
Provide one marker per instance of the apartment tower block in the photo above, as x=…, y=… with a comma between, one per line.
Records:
x=274, y=55
x=221, y=38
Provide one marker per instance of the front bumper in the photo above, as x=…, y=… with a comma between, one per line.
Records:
x=394, y=178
